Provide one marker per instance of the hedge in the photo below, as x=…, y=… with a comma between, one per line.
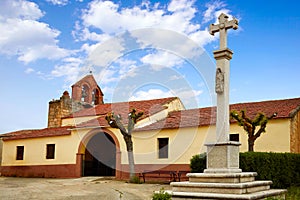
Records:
x=282, y=168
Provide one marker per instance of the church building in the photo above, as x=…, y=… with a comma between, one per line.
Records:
x=79, y=141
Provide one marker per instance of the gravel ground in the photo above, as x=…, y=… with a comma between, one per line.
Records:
x=82, y=188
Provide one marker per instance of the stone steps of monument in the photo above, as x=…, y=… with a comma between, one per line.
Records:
x=224, y=188
x=216, y=196
x=222, y=177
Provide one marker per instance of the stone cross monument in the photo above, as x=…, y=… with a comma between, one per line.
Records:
x=222, y=179
x=223, y=155
x=222, y=56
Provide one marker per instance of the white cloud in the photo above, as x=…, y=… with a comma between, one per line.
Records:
x=180, y=5
x=104, y=54
x=175, y=77
x=212, y=8
x=29, y=70
x=107, y=76
x=23, y=36
x=170, y=29
x=177, y=17
x=190, y=98
x=150, y=94
x=70, y=68
x=127, y=68
x=19, y=9
x=162, y=59
x=59, y=2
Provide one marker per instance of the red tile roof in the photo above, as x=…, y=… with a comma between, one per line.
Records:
x=149, y=107
x=98, y=122
x=47, y=132
x=206, y=116
x=286, y=108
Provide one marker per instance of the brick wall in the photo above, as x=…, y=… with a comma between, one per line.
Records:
x=90, y=85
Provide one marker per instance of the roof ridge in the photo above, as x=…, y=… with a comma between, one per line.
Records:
x=144, y=100
x=38, y=129
x=265, y=101
x=252, y=102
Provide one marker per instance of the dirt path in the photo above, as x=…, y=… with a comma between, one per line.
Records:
x=82, y=188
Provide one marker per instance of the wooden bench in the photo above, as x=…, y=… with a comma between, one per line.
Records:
x=162, y=174
x=182, y=175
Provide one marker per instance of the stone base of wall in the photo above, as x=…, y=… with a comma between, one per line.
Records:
x=42, y=171
x=74, y=171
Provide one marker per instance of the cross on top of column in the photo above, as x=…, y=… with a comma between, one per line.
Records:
x=222, y=27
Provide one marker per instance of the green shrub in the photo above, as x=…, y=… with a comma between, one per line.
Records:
x=135, y=180
x=161, y=195
x=293, y=193
x=282, y=168
x=198, y=163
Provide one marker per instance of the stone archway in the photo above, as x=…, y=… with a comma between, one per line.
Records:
x=99, y=154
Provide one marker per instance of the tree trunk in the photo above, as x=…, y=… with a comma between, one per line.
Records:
x=131, y=165
x=129, y=146
x=251, y=145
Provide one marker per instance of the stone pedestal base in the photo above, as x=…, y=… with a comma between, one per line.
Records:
x=223, y=179
x=223, y=157
x=223, y=186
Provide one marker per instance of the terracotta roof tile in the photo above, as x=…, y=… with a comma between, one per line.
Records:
x=207, y=116
x=284, y=108
x=37, y=133
x=149, y=107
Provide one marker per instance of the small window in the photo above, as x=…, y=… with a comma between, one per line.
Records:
x=234, y=137
x=163, y=147
x=20, y=152
x=50, y=151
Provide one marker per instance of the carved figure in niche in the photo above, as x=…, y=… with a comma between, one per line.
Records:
x=219, y=81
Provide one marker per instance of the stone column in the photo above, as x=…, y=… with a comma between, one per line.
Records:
x=223, y=156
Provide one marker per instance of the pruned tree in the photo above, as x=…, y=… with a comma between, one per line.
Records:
x=115, y=121
x=250, y=125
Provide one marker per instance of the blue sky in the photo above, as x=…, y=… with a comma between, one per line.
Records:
x=135, y=50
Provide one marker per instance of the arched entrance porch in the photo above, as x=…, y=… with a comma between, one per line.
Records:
x=100, y=154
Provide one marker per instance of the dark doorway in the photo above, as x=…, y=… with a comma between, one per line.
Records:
x=100, y=156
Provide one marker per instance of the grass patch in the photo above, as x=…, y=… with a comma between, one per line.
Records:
x=293, y=193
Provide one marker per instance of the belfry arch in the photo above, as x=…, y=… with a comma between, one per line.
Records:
x=87, y=90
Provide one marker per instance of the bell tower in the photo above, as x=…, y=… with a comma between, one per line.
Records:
x=85, y=94
x=87, y=91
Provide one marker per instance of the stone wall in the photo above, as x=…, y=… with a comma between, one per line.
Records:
x=63, y=107
x=295, y=132
x=1, y=146
x=59, y=109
